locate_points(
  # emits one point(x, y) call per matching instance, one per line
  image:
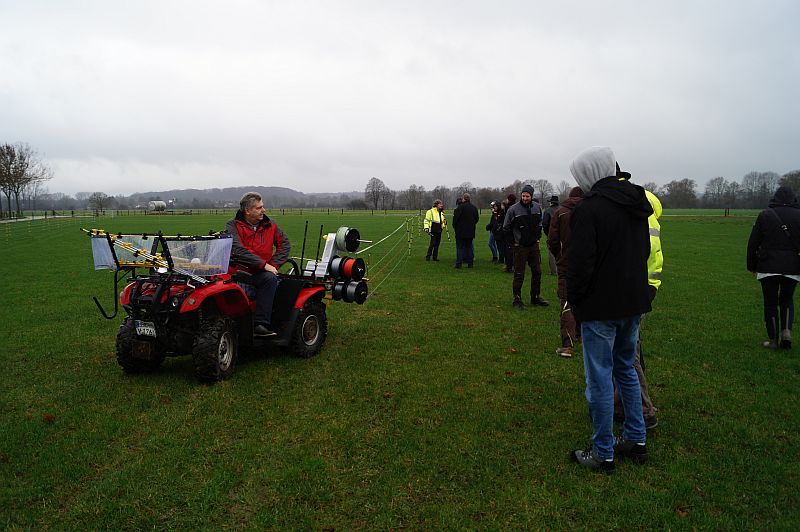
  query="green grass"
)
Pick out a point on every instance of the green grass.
point(433, 405)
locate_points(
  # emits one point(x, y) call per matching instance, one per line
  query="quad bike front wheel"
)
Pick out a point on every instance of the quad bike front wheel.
point(215, 349)
point(135, 355)
point(310, 329)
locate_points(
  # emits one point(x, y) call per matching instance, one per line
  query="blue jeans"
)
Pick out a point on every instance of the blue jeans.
point(465, 251)
point(262, 286)
point(492, 245)
point(609, 349)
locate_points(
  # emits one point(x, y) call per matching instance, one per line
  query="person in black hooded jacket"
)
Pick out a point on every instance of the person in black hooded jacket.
point(607, 290)
point(772, 256)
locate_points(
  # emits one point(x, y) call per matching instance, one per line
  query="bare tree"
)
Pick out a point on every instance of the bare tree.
point(387, 198)
point(99, 201)
point(563, 189)
point(414, 197)
point(652, 187)
point(791, 180)
point(20, 168)
point(374, 191)
point(544, 188)
point(680, 194)
point(714, 195)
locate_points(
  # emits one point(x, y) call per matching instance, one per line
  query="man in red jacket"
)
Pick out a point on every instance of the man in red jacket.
point(259, 248)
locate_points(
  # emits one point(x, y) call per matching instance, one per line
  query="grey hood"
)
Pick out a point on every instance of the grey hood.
point(592, 165)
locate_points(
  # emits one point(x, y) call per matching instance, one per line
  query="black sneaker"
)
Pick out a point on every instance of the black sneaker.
point(629, 449)
point(263, 330)
point(587, 458)
point(517, 304)
point(539, 302)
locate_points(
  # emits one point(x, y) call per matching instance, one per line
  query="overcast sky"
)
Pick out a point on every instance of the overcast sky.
point(124, 97)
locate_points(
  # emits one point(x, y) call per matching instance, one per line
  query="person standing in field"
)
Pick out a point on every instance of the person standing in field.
point(558, 245)
point(547, 216)
point(523, 227)
point(433, 224)
point(493, 247)
point(608, 291)
point(655, 263)
point(508, 247)
point(773, 258)
point(465, 218)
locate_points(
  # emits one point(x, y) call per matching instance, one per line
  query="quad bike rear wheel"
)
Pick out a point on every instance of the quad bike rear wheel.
point(310, 329)
point(215, 349)
point(135, 355)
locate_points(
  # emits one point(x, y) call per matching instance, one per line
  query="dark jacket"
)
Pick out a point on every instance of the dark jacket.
point(465, 218)
point(547, 217)
point(769, 249)
point(608, 249)
point(523, 224)
point(252, 248)
point(558, 234)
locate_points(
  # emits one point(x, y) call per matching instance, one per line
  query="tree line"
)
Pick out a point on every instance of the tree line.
point(22, 174)
point(753, 192)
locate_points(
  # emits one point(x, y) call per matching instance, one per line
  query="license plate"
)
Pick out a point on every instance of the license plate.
point(145, 328)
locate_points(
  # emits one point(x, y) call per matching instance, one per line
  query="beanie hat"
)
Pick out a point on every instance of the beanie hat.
point(528, 189)
point(554, 199)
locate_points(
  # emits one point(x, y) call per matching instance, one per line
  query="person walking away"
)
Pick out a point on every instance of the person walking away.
point(547, 216)
point(772, 257)
point(492, 240)
point(259, 247)
point(608, 291)
point(558, 245)
point(465, 218)
point(433, 224)
point(523, 227)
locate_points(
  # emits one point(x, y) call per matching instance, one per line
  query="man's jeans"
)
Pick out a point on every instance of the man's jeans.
point(609, 348)
point(464, 251)
point(262, 286)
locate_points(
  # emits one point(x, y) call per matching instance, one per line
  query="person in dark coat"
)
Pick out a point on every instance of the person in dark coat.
point(772, 256)
point(465, 218)
point(557, 244)
point(547, 216)
point(608, 291)
point(523, 227)
point(508, 243)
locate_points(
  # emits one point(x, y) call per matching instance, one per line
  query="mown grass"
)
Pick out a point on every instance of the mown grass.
point(434, 405)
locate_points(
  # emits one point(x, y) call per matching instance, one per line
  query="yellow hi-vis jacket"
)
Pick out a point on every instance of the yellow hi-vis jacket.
point(433, 216)
point(656, 259)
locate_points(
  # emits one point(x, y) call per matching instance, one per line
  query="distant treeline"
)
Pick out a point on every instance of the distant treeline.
point(752, 191)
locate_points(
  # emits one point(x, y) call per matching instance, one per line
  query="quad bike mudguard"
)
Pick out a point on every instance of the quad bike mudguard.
point(229, 298)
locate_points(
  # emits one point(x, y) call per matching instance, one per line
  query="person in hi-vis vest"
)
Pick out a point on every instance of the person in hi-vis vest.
point(434, 224)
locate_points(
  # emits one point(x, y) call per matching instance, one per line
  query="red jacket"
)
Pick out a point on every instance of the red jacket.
point(253, 246)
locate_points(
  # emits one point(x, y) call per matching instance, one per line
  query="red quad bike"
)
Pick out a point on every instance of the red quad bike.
point(187, 303)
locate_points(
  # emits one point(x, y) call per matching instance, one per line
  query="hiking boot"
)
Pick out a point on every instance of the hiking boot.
point(587, 458)
point(650, 422)
point(786, 339)
point(517, 304)
point(539, 302)
point(263, 330)
point(770, 344)
point(435, 259)
point(565, 352)
point(637, 452)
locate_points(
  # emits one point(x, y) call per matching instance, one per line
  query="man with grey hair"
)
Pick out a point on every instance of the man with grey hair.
point(259, 248)
point(608, 291)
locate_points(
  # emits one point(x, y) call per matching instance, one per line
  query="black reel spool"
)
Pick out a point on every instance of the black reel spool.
point(350, 291)
point(348, 268)
point(348, 238)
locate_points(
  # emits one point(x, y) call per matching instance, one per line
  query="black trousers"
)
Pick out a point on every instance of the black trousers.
point(778, 304)
point(433, 247)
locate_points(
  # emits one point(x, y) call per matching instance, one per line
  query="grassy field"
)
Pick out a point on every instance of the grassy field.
point(434, 405)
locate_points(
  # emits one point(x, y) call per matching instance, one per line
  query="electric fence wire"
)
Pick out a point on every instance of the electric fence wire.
point(397, 264)
point(376, 273)
point(382, 239)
